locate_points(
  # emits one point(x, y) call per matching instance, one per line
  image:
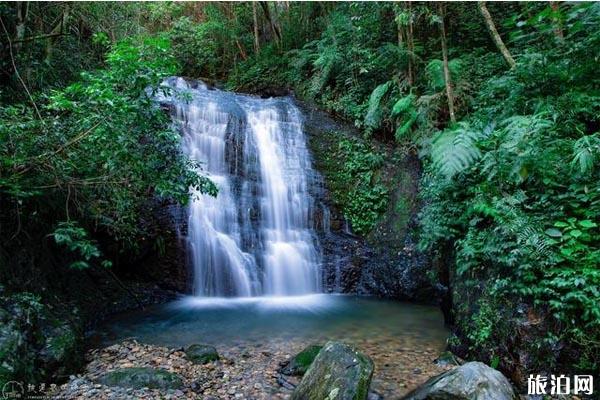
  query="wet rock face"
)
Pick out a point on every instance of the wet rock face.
point(400, 274)
point(162, 256)
point(201, 353)
point(393, 268)
point(471, 381)
point(138, 378)
point(339, 372)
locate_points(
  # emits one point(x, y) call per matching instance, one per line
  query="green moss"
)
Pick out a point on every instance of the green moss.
point(302, 361)
point(338, 372)
point(35, 345)
point(201, 353)
point(353, 174)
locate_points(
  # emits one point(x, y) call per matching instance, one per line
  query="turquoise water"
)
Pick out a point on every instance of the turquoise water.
point(232, 321)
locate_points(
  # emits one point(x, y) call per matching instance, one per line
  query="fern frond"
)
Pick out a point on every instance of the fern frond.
point(403, 105)
point(374, 113)
point(434, 71)
point(403, 129)
point(585, 153)
point(454, 151)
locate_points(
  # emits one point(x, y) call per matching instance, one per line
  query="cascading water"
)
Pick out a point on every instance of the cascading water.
point(255, 237)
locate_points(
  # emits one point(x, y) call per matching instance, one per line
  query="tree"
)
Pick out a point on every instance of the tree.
point(275, 29)
point(558, 31)
point(495, 35)
point(255, 26)
point(404, 21)
point(447, 78)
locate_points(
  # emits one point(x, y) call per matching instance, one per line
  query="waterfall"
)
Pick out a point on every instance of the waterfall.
point(255, 237)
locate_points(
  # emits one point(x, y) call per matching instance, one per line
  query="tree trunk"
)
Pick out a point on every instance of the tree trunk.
point(495, 35)
point(241, 49)
point(272, 24)
point(255, 20)
point(411, 47)
point(405, 40)
point(558, 32)
point(58, 30)
point(400, 35)
point(447, 78)
point(22, 13)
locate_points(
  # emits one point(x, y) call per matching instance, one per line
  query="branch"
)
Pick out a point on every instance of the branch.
point(61, 148)
point(12, 59)
point(44, 36)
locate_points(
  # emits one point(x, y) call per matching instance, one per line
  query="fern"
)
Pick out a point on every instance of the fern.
point(404, 111)
point(434, 71)
point(585, 152)
point(403, 105)
point(374, 113)
point(454, 151)
point(329, 57)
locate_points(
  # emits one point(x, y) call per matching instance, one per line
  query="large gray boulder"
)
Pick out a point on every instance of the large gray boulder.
point(138, 378)
point(471, 381)
point(339, 372)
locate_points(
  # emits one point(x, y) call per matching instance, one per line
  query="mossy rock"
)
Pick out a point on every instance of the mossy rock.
point(201, 353)
point(471, 381)
point(300, 363)
point(138, 378)
point(36, 345)
point(339, 372)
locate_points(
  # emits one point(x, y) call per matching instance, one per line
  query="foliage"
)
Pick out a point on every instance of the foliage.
point(374, 110)
point(363, 196)
point(96, 152)
point(515, 187)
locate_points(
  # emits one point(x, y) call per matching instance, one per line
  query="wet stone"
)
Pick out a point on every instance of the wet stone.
point(201, 353)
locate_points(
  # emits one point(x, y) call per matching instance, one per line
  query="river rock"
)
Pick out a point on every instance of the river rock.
point(339, 372)
point(471, 381)
point(447, 358)
point(138, 378)
point(201, 353)
point(299, 364)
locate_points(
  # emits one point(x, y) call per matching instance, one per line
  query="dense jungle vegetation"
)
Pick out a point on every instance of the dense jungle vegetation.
point(501, 101)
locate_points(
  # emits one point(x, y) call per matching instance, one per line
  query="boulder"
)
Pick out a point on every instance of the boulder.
point(339, 372)
point(471, 381)
point(138, 378)
point(201, 353)
point(447, 358)
point(299, 364)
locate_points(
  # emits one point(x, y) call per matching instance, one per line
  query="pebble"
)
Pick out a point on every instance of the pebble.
point(249, 370)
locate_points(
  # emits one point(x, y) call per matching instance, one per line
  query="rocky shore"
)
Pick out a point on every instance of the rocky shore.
point(246, 371)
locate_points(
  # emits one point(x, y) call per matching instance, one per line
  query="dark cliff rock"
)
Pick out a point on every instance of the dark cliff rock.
point(386, 263)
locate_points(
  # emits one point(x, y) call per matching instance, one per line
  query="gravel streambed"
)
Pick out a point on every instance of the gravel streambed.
point(244, 370)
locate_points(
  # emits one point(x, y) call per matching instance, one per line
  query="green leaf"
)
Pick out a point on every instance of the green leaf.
point(553, 232)
point(586, 223)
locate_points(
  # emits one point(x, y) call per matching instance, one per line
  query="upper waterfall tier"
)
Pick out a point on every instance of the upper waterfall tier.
point(255, 237)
